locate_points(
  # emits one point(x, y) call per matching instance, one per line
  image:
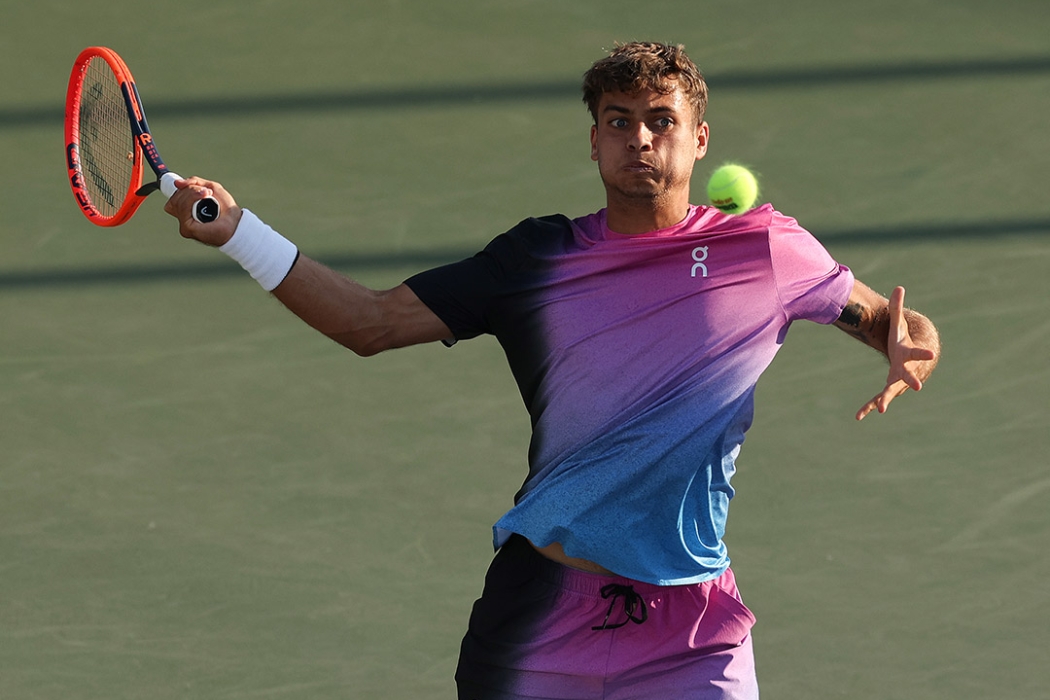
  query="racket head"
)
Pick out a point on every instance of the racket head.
point(104, 159)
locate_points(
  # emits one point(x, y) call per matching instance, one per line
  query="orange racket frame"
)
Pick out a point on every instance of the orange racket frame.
point(74, 94)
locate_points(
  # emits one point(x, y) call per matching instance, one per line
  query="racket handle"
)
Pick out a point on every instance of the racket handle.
point(205, 210)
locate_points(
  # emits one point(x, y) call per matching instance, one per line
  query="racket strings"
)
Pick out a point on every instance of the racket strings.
point(107, 146)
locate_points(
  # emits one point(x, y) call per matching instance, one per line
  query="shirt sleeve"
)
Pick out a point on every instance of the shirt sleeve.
point(467, 294)
point(811, 284)
point(457, 293)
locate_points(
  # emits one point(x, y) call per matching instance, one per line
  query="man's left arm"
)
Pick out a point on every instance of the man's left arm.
point(907, 338)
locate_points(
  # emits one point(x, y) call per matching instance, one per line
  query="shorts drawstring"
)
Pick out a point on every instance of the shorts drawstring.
point(631, 602)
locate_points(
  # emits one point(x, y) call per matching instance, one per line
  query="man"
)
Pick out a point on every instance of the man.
point(636, 336)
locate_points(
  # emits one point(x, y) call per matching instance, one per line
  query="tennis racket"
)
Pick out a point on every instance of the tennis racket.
point(107, 140)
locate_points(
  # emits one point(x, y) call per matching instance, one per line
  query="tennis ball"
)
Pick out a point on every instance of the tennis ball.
point(732, 188)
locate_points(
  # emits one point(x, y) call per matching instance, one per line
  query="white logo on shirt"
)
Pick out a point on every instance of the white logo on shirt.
point(699, 255)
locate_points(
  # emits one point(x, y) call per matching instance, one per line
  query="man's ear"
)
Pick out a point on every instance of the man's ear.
point(703, 133)
point(594, 142)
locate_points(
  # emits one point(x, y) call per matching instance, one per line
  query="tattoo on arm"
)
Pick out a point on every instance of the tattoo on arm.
point(851, 315)
point(869, 326)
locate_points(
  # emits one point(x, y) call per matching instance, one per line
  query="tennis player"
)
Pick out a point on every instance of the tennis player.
point(636, 335)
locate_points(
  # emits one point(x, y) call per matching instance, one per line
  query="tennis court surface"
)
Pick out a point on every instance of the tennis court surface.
point(201, 498)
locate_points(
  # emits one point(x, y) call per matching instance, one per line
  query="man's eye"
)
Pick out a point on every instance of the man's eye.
point(619, 123)
point(664, 123)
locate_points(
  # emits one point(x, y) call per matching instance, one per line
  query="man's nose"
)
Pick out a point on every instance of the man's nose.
point(641, 139)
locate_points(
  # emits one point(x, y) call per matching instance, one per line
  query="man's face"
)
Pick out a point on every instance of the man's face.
point(646, 144)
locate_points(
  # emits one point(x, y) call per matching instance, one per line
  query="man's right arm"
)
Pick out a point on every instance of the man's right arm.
point(364, 320)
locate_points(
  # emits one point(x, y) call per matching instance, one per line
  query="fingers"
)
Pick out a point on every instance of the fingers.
point(180, 205)
point(881, 402)
point(908, 376)
point(186, 193)
point(866, 409)
point(900, 351)
point(898, 327)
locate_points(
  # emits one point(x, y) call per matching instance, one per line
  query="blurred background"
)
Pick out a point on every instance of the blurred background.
point(202, 498)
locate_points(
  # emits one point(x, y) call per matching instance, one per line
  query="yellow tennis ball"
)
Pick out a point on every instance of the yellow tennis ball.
point(732, 188)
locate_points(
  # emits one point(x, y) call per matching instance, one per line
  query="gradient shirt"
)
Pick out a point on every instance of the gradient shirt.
point(637, 358)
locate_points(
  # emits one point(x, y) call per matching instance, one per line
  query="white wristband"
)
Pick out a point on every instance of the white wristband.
point(265, 254)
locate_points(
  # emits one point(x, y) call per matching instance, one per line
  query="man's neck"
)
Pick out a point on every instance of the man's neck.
point(633, 218)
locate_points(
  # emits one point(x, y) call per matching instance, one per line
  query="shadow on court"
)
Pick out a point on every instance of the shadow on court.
point(432, 96)
point(146, 274)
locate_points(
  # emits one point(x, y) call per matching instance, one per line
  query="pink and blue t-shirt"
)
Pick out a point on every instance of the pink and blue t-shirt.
point(637, 358)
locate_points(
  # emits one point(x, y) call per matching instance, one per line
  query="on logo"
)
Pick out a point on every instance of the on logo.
point(699, 255)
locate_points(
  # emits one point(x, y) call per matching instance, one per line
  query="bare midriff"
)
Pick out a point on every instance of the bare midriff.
point(554, 552)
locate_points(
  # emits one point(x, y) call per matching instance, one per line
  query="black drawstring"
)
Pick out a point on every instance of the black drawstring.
point(631, 602)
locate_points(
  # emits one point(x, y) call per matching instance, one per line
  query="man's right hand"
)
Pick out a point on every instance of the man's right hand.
point(180, 205)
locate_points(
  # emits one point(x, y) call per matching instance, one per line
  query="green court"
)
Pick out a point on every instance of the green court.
point(202, 498)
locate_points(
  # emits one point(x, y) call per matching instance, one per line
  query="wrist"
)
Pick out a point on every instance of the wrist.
point(265, 254)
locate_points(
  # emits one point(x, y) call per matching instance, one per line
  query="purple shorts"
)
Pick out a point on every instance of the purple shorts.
point(543, 630)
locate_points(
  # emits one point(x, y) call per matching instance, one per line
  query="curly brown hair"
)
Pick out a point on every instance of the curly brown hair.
point(639, 65)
